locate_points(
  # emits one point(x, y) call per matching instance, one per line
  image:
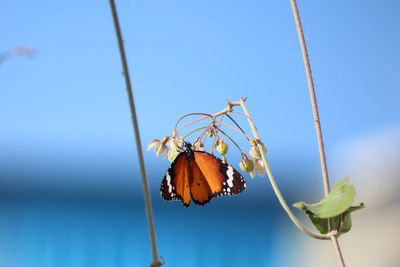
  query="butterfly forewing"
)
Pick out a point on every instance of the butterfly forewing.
point(234, 182)
point(222, 178)
point(175, 185)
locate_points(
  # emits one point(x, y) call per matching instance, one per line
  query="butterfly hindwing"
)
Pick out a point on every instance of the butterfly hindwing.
point(210, 168)
point(175, 184)
point(199, 188)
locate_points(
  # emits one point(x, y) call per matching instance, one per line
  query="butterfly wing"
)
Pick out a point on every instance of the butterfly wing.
point(175, 184)
point(222, 178)
point(199, 188)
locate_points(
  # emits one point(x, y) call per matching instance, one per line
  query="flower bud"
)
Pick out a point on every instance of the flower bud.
point(221, 146)
point(255, 150)
point(258, 168)
point(172, 154)
point(247, 165)
point(198, 145)
point(176, 143)
point(159, 146)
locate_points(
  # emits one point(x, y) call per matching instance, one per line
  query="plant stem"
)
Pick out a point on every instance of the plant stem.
point(339, 254)
point(187, 115)
point(317, 123)
point(274, 184)
point(312, 96)
point(192, 122)
point(146, 192)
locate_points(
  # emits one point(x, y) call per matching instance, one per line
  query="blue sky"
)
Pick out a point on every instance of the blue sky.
point(66, 133)
point(67, 107)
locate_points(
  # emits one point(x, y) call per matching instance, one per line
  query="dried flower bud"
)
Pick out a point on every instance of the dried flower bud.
point(221, 146)
point(255, 150)
point(176, 143)
point(198, 145)
point(159, 146)
point(247, 165)
point(258, 168)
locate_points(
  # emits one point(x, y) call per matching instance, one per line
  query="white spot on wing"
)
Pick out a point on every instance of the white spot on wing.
point(229, 173)
point(169, 183)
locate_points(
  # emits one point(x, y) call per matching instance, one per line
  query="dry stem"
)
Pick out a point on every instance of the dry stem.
point(317, 123)
point(149, 212)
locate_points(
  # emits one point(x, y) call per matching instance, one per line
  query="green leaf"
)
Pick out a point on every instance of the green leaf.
point(346, 226)
point(322, 223)
point(336, 202)
point(319, 223)
point(352, 208)
point(334, 209)
point(340, 184)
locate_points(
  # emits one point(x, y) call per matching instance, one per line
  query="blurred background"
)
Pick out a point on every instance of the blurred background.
point(70, 191)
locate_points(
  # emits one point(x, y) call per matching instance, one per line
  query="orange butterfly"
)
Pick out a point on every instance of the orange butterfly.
point(200, 176)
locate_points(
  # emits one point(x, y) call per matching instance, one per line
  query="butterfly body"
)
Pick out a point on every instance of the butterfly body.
point(199, 176)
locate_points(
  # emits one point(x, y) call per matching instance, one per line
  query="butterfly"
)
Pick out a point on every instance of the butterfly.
point(199, 176)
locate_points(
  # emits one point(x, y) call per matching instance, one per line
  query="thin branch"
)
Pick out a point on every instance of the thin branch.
point(146, 192)
point(232, 128)
point(195, 130)
point(187, 115)
point(312, 96)
point(338, 251)
point(227, 109)
point(317, 123)
point(237, 125)
point(17, 51)
point(241, 151)
point(192, 122)
point(275, 185)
